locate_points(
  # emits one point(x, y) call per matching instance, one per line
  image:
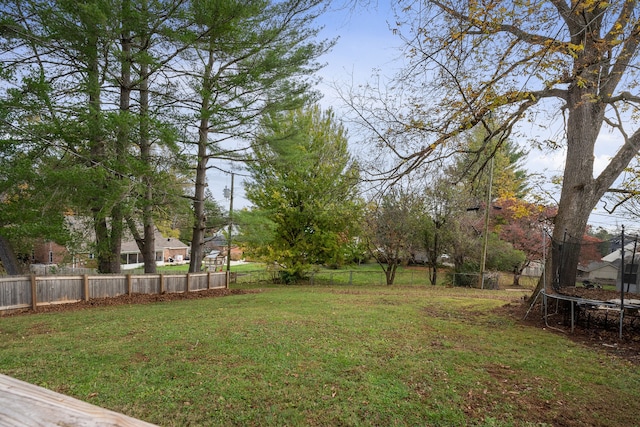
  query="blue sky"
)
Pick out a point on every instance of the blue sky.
point(365, 43)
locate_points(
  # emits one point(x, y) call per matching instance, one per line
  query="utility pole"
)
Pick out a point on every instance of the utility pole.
point(229, 194)
point(486, 226)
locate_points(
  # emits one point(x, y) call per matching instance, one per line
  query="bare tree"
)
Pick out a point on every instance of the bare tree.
point(468, 61)
point(392, 229)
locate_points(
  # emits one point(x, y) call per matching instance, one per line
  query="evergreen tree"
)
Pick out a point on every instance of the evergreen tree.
point(245, 59)
point(485, 154)
point(57, 51)
point(303, 188)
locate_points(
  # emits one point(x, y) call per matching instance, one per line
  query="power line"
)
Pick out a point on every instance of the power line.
point(230, 172)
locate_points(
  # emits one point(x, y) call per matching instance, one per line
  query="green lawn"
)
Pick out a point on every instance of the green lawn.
point(320, 355)
point(364, 274)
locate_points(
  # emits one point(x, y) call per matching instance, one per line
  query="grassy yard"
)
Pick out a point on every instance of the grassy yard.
point(321, 355)
point(364, 274)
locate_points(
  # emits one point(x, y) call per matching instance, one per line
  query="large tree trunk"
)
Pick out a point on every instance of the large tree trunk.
point(108, 242)
point(197, 240)
point(108, 232)
point(148, 223)
point(8, 258)
point(149, 240)
point(580, 191)
point(595, 80)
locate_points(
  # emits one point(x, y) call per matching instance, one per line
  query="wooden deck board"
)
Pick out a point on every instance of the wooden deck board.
point(24, 404)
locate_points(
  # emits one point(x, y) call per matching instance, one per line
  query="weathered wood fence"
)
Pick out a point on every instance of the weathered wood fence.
point(33, 291)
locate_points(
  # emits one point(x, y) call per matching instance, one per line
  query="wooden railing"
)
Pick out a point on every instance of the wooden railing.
point(27, 405)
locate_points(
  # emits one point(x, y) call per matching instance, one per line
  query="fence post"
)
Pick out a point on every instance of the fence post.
point(208, 280)
point(129, 284)
point(34, 292)
point(186, 285)
point(85, 286)
point(227, 277)
point(161, 287)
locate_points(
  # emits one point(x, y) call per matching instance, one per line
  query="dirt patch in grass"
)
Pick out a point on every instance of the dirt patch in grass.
point(596, 294)
point(598, 329)
point(130, 299)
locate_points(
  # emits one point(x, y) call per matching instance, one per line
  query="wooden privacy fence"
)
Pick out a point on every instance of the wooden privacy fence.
point(33, 291)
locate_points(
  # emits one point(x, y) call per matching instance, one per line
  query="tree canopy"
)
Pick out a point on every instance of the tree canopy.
point(247, 59)
point(394, 225)
point(120, 102)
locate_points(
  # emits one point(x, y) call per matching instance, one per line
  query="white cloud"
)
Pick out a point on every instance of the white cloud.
point(549, 163)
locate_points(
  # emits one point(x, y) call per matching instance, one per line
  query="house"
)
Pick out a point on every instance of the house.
point(218, 242)
point(168, 250)
point(48, 252)
point(617, 254)
point(630, 277)
point(79, 252)
point(600, 272)
point(534, 269)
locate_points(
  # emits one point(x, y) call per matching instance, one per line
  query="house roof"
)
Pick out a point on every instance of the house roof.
point(597, 265)
point(615, 255)
point(130, 246)
point(219, 238)
point(82, 229)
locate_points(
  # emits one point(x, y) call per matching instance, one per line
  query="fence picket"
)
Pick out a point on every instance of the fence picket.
point(33, 291)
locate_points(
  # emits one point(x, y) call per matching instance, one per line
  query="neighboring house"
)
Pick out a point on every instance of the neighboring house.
point(79, 253)
point(168, 250)
point(615, 255)
point(600, 272)
point(630, 280)
point(631, 277)
point(218, 242)
point(534, 269)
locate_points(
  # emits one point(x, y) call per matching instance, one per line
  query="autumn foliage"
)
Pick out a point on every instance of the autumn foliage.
point(522, 224)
